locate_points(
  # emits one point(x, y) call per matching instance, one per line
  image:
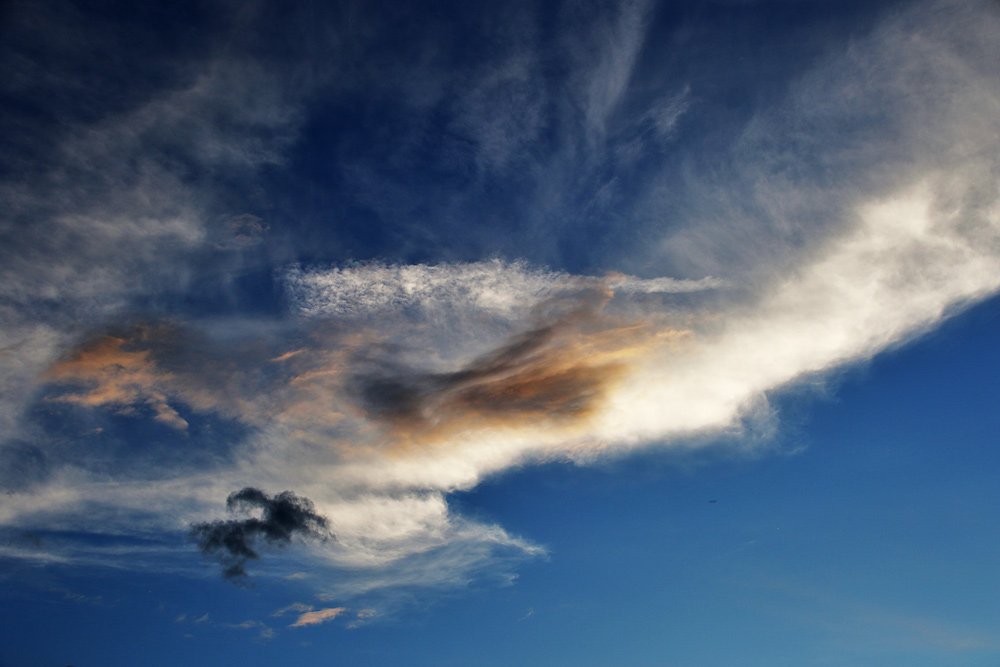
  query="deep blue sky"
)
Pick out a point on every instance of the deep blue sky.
point(530, 333)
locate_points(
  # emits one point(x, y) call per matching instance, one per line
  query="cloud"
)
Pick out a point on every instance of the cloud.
point(266, 632)
point(871, 629)
point(104, 170)
point(362, 617)
point(318, 616)
point(547, 131)
point(377, 430)
point(853, 216)
point(297, 607)
point(78, 597)
point(496, 288)
point(908, 101)
point(309, 615)
point(606, 53)
point(283, 517)
point(552, 372)
point(115, 376)
point(492, 287)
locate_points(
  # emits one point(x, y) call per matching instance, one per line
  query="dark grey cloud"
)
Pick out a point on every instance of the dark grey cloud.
point(233, 542)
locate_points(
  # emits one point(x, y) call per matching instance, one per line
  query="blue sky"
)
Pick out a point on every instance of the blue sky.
point(598, 333)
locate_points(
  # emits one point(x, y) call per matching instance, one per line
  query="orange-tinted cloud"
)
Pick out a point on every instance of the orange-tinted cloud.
point(553, 376)
point(350, 391)
point(165, 365)
point(107, 372)
point(318, 616)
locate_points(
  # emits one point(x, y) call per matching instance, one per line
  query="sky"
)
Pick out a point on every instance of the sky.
point(514, 333)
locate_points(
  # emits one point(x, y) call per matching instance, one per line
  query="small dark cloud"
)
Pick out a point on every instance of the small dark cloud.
point(233, 542)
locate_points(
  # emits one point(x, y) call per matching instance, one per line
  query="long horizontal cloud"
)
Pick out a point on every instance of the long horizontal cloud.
point(494, 287)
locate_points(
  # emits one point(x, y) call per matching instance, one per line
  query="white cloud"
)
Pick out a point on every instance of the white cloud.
point(494, 288)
